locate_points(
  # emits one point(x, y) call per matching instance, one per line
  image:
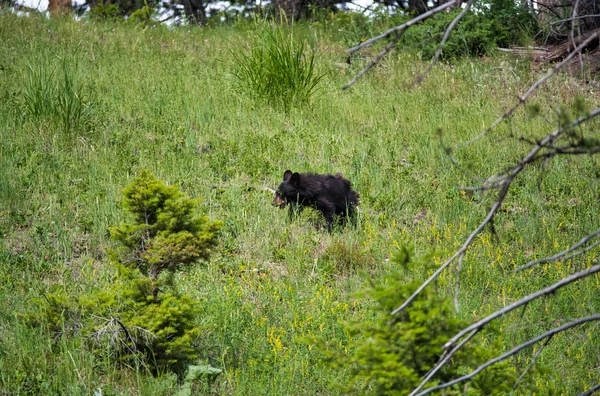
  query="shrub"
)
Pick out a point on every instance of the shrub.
point(390, 354)
point(491, 24)
point(139, 319)
point(163, 235)
point(279, 69)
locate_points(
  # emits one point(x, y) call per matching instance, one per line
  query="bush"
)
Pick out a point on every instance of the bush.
point(391, 354)
point(139, 319)
point(492, 24)
point(279, 69)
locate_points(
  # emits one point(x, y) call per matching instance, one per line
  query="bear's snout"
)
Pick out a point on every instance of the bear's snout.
point(277, 201)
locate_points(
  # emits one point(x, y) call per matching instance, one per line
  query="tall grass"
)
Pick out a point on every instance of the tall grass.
point(279, 68)
point(55, 94)
point(166, 105)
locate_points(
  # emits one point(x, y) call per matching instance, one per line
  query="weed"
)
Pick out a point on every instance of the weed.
point(279, 69)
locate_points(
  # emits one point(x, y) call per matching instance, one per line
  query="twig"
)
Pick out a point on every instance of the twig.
point(575, 18)
point(445, 357)
point(531, 90)
point(462, 251)
point(530, 365)
point(438, 51)
point(563, 254)
point(590, 391)
point(525, 300)
point(402, 27)
point(504, 182)
point(451, 347)
point(375, 61)
point(513, 352)
point(575, 7)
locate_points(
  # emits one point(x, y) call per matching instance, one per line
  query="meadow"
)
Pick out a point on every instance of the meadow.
point(165, 100)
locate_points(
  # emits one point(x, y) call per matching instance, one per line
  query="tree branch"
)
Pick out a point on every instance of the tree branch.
point(532, 89)
point(400, 29)
point(513, 352)
point(438, 51)
point(564, 253)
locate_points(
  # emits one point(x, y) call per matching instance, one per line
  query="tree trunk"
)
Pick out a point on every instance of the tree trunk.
point(59, 6)
point(195, 11)
point(288, 10)
point(418, 6)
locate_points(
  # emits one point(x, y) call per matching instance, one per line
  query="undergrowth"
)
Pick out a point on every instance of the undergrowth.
point(167, 100)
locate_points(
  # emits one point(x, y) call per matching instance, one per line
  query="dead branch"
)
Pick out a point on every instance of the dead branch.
point(503, 181)
point(440, 47)
point(397, 31)
point(575, 18)
point(400, 29)
point(590, 391)
point(445, 357)
point(532, 89)
point(513, 352)
point(451, 347)
point(524, 301)
point(564, 255)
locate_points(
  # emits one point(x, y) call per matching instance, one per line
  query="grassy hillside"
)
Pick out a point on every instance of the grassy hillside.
point(164, 100)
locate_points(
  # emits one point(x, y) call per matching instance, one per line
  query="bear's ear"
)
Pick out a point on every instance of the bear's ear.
point(287, 174)
point(295, 179)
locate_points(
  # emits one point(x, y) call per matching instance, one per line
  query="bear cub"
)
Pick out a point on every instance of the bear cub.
point(330, 194)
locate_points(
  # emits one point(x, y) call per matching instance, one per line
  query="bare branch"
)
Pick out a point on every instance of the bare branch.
point(445, 357)
point(530, 365)
point(526, 300)
point(590, 391)
point(375, 61)
point(575, 18)
point(532, 89)
point(450, 346)
point(400, 29)
point(440, 47)
point(462, 251)
point(513, 352)
point(564, 253)
point(504, 182)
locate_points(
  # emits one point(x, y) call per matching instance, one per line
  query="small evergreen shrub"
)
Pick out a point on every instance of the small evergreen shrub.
point(139, 318)
point(389, 355)
point(163, 234)
point(279, 69)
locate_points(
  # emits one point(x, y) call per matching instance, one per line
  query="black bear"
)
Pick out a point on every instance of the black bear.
point(332, 195)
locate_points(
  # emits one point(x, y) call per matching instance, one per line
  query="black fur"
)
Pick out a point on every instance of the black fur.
point(332, 195)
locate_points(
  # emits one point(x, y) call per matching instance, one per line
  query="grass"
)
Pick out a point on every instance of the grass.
point(165, 100)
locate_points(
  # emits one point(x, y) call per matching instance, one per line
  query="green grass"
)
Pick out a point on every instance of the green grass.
point(165, 100)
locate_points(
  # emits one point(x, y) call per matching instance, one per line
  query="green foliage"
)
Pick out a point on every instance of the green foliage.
point(57, 96)
point(164, 234)
point(143, 16)
point(391, 354)
point(124, 322)
point(166, 105)
point(279, 69)
point(128, 319)
point(103, 11)
point(491, 24)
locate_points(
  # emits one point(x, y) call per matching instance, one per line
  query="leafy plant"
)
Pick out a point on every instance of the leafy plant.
point(391, 354)
point(495, 23)
point(279, 69)
point(164, 234)
point(128, 319)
